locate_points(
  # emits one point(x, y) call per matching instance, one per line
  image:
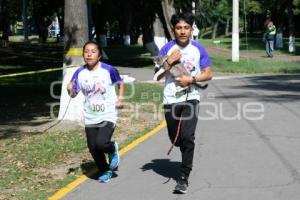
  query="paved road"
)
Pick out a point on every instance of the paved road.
point(247, 147)
point(140, 74)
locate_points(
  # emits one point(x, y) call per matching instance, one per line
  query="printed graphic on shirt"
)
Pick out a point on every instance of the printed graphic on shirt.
point(99, 89)
point(187, 63)
point(96, 96)
point(194, 59)
point(100, 96)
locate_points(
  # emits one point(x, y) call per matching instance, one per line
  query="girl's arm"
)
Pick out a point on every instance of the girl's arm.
point(121, 87)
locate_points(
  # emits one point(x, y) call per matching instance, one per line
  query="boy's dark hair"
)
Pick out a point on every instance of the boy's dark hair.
point(92, 42)
point(187, 17)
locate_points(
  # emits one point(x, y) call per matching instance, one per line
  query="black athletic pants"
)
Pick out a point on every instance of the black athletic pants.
point(99, 142)
point(188, 112)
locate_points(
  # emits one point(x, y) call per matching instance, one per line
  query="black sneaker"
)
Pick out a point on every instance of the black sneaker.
point(181, 186)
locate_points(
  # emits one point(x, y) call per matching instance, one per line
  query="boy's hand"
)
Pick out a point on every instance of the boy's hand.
point(184, 80)
point(174, 57)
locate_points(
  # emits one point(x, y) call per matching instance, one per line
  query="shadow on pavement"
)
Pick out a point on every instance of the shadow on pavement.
point(163, 167)
point(286, 88)
point(90, 170)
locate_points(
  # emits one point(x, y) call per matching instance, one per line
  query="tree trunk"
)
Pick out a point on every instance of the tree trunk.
point(215, 30)
point(168, 10)
point(90, 18)
point(41, 20)
point(4, 25)
point(61, 21)
point(76, 34)
point(75, 30)
point(25, 24)
point(100, 13)
point(227, 26)
point(148, 37)
point(245, 25)
point(291, 27)
point(251, 24)
point(159, 33)
point(126, 21)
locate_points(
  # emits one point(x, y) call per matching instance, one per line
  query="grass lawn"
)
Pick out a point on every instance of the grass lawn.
point(253, 65)
point(252, 57)
point(249, 44)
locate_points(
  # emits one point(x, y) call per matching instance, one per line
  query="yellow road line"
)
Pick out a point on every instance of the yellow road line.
point(31, 72)
point(65, 190)
point(36, 72)
point(74, 52)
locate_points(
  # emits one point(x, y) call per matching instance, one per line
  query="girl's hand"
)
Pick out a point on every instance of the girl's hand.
point(119, 104)
point(70, 85)
point(70, 89)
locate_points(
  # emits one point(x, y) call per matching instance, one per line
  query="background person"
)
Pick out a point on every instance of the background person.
point(270, 38)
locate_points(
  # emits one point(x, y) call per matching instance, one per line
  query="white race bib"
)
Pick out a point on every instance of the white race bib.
point(96, 107)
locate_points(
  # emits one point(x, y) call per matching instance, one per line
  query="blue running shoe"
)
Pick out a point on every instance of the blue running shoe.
point(105, 177)
point(114, 158)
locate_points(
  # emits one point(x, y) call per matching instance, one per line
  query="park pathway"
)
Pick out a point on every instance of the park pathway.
point(247, 147)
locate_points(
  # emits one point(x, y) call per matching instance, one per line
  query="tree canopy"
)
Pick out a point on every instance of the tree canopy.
point(130, 17)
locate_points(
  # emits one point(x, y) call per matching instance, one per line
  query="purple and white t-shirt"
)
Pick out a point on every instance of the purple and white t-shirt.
point(194, 58)
point(98, 88)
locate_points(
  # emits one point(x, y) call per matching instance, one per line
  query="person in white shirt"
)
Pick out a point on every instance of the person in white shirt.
point(97, 80)
point(181, 108)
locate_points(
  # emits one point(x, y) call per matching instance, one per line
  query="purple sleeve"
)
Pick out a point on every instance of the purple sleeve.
point(115, 76)
point(114, 73)
point(204, 57)
point(164, 50)
point(75, 78)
